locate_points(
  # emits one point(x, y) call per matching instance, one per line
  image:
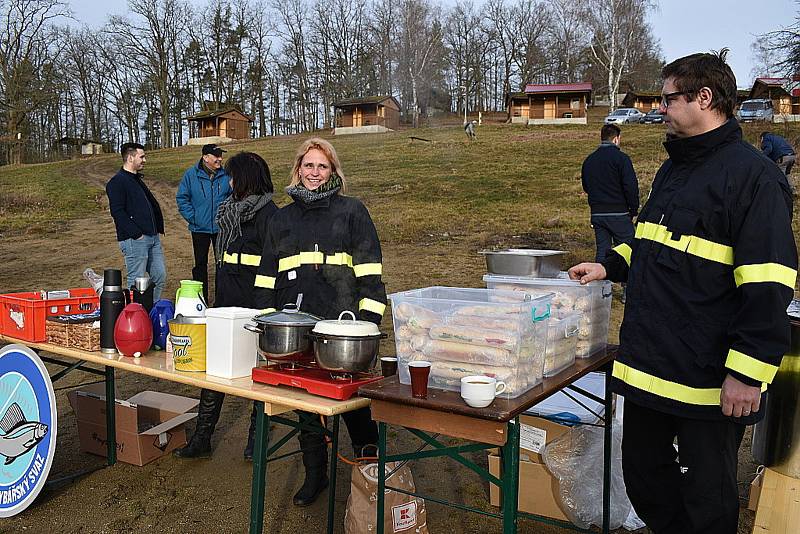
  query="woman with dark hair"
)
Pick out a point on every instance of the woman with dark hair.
point(243, 221)
point(325, 246)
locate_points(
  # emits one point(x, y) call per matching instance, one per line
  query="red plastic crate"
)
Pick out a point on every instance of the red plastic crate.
point(22, 315)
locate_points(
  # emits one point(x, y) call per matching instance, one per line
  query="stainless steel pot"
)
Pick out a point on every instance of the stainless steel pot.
point(524, 262)
point(282, 335)
point(353, 354)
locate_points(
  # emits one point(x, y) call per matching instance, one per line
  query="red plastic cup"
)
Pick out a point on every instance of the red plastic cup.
point(419, 378)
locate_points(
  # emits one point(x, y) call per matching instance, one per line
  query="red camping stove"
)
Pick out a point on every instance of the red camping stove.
point(332, 384)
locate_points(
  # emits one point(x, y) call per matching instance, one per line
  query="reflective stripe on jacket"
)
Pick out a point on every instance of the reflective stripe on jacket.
point(328, 251)
point(236, 272)
point(710, 274)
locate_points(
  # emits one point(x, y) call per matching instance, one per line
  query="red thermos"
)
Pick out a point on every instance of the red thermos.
point(133, 332)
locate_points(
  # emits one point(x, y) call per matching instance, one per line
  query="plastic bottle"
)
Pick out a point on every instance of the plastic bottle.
point(94, 279)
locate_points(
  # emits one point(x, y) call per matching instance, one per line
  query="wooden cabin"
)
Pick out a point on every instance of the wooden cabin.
point(372, 114)
point(225, 122)
point(563, 103)
point(78, 147)
point(785, 96)
point(644, 101)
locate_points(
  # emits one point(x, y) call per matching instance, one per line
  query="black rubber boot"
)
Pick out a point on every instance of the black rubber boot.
point(207, 416)
point(251, 435)
point(315, 460)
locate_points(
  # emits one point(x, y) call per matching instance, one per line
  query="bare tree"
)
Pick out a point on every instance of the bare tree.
point(616, 25)
point(778, 51)
point(24, 51)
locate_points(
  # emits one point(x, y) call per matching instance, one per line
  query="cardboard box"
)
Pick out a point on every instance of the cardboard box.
point(778, 506)
point(538, 489)
point(149, 424)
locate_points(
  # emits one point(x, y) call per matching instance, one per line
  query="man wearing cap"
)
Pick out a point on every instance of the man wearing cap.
point(203, 188)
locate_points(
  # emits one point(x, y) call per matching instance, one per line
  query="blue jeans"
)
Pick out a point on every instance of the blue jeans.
point(145, 255)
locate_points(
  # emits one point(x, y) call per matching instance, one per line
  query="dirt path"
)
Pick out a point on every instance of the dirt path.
point(174, 496)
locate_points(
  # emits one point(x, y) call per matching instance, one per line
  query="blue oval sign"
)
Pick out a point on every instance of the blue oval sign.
point(28, 424)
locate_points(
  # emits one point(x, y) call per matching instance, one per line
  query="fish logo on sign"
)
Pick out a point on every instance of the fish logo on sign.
point(28, 423)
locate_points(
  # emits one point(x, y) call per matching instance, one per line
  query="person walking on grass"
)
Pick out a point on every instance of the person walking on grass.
point(138, 220)
point(203, 188)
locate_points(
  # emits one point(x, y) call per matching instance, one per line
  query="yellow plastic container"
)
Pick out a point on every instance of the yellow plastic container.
point(188, 338)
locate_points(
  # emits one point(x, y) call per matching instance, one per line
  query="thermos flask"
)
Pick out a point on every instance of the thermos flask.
point(112, 301)
point(142, 292)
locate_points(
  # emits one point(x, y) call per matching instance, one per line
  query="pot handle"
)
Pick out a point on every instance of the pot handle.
point(253, 328)
point(353, 315)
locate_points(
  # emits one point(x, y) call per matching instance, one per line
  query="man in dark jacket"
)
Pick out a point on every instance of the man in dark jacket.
point(138, 220)
point(610, 182)
point(778, 150)
point(710, 273)
point(203, 188)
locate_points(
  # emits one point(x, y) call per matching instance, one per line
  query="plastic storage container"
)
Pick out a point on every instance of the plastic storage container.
point(23, 315)
point(231, 351)
point(465, 332)
point(562, 342)
point(592, 301)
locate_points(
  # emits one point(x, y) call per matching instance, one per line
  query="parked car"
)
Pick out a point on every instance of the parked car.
point(624, 115)
point(758, 109)
point(652, 117)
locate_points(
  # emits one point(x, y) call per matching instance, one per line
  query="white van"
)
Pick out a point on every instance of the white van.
point(758, 109)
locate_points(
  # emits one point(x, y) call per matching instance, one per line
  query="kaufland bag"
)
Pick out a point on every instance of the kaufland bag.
point(402, 513)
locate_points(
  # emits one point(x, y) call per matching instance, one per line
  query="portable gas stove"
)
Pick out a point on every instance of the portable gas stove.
point(338, 385)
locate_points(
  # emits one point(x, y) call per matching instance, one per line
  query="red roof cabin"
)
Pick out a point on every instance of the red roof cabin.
point(785, 96)
point(560, 103)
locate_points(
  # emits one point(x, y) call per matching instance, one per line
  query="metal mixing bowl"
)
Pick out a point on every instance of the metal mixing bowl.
point(353, 354)
point(524, 262)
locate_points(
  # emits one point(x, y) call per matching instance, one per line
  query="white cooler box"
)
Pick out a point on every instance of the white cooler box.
point(231, 351)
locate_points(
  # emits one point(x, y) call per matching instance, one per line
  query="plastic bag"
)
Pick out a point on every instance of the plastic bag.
point(576, 460)
point(94, 279)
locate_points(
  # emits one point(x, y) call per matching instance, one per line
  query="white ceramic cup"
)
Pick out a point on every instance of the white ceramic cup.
point(479, 391)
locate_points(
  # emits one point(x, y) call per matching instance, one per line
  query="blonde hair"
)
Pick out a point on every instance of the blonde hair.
point(326, 148)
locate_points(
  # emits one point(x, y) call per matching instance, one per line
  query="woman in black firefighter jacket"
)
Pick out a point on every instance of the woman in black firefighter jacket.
point(243, 221)
point(323, 245)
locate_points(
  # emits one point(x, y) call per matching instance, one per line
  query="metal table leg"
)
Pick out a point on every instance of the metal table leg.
point(609, 423)
point(332, 474)
point(111, 425)
point(381, 476)
point(510, 477)
point(259, 483)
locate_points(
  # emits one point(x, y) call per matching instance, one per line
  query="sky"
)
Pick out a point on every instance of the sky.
point(682, 26)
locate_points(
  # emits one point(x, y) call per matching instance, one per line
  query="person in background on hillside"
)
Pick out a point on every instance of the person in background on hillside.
point(203, 188)
point(469, 129)
point(778, 150)
point(243, 220)
point(138, 220)
point(325, 246)
point(610, 183)
point(710, 273)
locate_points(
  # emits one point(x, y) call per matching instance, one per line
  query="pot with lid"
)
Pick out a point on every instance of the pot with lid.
point(282, 334)
point(346, 345)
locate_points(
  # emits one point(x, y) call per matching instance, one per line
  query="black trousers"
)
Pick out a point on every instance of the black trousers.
point(610, 231)
point(201, 242)
point(691, 490)
point(362, 429)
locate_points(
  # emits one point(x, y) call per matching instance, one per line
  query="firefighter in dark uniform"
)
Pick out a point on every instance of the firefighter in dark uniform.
point(243, 220)
point(710, 273)
point(325, 246)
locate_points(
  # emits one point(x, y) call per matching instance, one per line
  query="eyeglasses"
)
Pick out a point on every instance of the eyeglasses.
point(669, 97)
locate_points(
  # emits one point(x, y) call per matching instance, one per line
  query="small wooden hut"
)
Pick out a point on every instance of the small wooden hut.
point(562, 103)
point(372, 114)
point(218, 121)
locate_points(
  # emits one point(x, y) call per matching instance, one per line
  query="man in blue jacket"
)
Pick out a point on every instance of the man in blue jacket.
point(610, 182)
point(778, 150)
point(203, 188)
point(138, 220)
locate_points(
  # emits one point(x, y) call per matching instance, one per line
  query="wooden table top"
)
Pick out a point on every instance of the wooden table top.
point(157, 364)
point(503, 410)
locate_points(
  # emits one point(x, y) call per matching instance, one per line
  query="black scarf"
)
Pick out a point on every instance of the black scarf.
point(230, 216)
point(329, 188)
